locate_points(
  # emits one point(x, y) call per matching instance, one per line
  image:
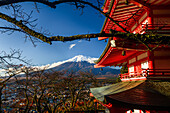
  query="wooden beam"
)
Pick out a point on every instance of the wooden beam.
point(140, 3)
point(157, 2)
point(126, 10)
point(127, 7)
point(121, 18)
point(106, 6)
point(121, 61)
point(160, 7)
point(137, 22)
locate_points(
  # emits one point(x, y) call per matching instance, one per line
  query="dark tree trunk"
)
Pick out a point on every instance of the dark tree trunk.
point(1, 100)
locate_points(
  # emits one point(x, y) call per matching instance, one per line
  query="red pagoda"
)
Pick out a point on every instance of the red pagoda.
point(136, 93)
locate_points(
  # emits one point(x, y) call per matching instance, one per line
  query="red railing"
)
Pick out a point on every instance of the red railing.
point(156, 28)
point(158, 73)
point(149, 73)
point(132, 75)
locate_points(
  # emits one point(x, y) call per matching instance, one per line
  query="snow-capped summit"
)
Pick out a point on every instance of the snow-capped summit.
point(78, 64)
point(78, 58)
point(82, 63)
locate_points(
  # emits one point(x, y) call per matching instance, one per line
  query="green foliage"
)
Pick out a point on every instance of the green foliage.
point(124, 69)
point(117, 80)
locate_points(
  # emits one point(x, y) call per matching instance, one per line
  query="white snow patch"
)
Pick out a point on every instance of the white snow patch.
point(78, 58)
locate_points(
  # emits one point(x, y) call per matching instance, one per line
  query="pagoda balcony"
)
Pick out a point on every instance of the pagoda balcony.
point(133, 76)
point(153, 74)
point(158, 74)
point(163, 29)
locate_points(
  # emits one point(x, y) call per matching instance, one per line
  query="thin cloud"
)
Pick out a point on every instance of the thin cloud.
point(72, 45)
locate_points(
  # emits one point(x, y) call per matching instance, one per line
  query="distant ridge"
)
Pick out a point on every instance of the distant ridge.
point(78, 58)
point(78, 64)
point(85, 64)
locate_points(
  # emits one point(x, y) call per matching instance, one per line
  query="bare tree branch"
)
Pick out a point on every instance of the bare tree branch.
point(46, 2)
point(22, 24)
point(12, 60)
point(25, 28)
point(14, 29)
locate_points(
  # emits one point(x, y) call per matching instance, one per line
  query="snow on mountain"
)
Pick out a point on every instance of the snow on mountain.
point(81, 58)
point(78, 58)
point(78, 63)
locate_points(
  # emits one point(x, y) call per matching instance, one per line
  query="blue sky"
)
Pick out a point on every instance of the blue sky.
point(65, 20)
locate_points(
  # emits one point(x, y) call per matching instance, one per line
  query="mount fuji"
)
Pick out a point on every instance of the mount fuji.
point(82, 63)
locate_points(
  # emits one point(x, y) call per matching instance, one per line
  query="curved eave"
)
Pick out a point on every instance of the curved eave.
point(104, 3)
point(111, 5)
point(140, 97)
point(144, 95)
point(112, 56)
point(105, 51)
point(116, 9)
point(100, 92)
point(106, 19)
point(127, 15)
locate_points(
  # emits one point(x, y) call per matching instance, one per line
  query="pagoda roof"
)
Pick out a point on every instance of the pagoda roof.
point(100, 92)
point(126, 14)
point(139, 96)
point(112, 56)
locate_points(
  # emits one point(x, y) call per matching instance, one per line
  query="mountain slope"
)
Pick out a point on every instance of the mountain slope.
point(85, 64)
point(78, 64)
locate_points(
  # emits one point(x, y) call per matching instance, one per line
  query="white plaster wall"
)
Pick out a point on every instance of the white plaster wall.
point(144, 65)
point(131, 69)
point(135, 111)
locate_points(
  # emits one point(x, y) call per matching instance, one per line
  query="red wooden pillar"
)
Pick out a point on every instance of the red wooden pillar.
point(151, 61)
point(150, 16)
